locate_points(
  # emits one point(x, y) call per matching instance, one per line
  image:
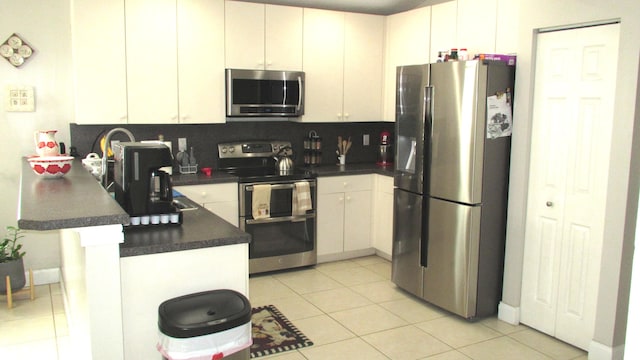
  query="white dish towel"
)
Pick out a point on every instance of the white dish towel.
point(261, 201)
point(301, 199)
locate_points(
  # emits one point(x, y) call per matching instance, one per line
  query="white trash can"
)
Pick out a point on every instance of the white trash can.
point(208, 325)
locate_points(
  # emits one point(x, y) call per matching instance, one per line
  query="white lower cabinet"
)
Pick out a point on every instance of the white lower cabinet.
point(344, 217)
point(148, 280)
point(220, 199)
point(383, 216)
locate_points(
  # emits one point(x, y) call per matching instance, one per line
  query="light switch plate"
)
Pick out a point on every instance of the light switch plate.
point(20, 99)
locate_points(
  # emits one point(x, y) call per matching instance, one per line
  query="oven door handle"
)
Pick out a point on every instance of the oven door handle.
point(277, 186)
point(270, 220)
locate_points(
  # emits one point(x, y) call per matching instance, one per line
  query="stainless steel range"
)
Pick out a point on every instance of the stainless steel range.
point(277, 208)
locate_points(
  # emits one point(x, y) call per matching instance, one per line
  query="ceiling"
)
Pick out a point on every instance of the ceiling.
point(379, 7)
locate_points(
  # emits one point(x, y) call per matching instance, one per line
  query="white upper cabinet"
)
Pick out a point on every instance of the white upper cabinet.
point(201, 90)
point(244, 35)
point(363, 56)
point(477, 26)
point(407, 43)
point(443, 28)
point(323, 55)
point(99, 71)
point(342, 61)
point(283, 37)
point(175, 69)
point(263, 37)
point(152, 68)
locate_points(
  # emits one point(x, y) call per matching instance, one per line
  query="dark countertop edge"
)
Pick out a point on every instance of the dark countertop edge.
point(324, 170)
point(216, 177)
point(53, 204)
point(158, 249)
point(72, 223)
point(200, 229)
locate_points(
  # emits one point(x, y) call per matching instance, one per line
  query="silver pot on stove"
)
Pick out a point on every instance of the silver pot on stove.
point(284, 163)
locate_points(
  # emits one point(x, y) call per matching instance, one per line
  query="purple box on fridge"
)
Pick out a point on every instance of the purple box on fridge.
point(510, 59)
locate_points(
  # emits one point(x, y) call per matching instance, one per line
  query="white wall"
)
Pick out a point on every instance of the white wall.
point(620, 217)
point(46, 26)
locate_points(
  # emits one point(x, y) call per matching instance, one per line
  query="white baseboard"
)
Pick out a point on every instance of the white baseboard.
point(599, 351)
point(44, 276)
point(508, 313)
point(345, 255)
point(383, 255)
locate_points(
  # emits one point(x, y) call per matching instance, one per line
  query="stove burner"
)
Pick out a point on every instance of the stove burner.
point(254, 161)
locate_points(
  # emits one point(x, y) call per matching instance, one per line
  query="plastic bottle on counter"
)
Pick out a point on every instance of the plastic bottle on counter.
point(453, 55)
point(462, 55)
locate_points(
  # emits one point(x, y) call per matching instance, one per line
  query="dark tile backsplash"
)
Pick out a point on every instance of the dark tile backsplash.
point(205, 137)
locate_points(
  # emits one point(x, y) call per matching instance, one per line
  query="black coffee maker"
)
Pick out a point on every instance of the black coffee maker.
point(141, 188)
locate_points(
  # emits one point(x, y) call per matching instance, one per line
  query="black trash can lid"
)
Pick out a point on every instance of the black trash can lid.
point(203, 313)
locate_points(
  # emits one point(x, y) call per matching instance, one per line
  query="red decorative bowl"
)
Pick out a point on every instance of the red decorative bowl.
point(50, 166)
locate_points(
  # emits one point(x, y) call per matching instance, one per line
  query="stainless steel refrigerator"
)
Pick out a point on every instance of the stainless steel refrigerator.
point(453, 136)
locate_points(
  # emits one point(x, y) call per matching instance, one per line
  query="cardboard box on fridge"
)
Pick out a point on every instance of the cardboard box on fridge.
point(510, 59)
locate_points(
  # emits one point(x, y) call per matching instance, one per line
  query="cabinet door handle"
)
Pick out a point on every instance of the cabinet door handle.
point(549, 204)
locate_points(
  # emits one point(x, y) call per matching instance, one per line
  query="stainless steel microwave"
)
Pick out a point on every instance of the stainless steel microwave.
point(264, 93)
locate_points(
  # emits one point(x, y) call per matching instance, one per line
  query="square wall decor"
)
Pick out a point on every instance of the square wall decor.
point(15, 50)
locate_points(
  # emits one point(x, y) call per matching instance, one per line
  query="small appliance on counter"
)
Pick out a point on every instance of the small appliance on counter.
point(385, 151)
point(142, 189)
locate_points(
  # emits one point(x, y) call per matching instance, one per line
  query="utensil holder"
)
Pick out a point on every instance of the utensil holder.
point(188, 169)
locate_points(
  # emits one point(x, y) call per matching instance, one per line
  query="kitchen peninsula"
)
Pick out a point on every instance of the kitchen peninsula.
point(114, 280)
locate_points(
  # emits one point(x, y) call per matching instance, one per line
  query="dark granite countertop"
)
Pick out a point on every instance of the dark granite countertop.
point(75, 200)
point(200, 229)
point(78, 200)
point(219, 177)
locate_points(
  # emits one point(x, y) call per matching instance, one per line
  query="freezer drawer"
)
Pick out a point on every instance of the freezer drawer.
point(451, 272)
point(406, 271)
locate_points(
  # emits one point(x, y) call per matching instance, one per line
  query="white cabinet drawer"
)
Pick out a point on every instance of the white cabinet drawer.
point(208, 193)
point(334, 184)
point(385, 183)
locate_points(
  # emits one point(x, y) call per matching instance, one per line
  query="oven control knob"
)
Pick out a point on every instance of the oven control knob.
point(232, 149)
point(223, 150)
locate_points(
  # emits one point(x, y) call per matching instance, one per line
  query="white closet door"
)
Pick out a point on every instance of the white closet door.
point(570, 147)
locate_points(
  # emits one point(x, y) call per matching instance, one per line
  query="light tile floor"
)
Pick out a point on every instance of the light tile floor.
point(34, 329)
point(349, 309)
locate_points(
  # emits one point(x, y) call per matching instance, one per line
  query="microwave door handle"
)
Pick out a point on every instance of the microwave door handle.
point(300, 93)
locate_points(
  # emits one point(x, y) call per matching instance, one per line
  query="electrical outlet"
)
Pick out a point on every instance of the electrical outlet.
point(365, 140)
point(182, 144)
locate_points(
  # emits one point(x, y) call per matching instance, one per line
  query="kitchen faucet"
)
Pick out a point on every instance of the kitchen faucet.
point(105, 152)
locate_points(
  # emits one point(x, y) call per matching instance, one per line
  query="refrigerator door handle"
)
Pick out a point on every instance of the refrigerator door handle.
point(428, 119)
point(424, 233)
point(428, 109)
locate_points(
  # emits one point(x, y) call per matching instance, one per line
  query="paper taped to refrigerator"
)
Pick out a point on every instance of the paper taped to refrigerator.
point(499, 115)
